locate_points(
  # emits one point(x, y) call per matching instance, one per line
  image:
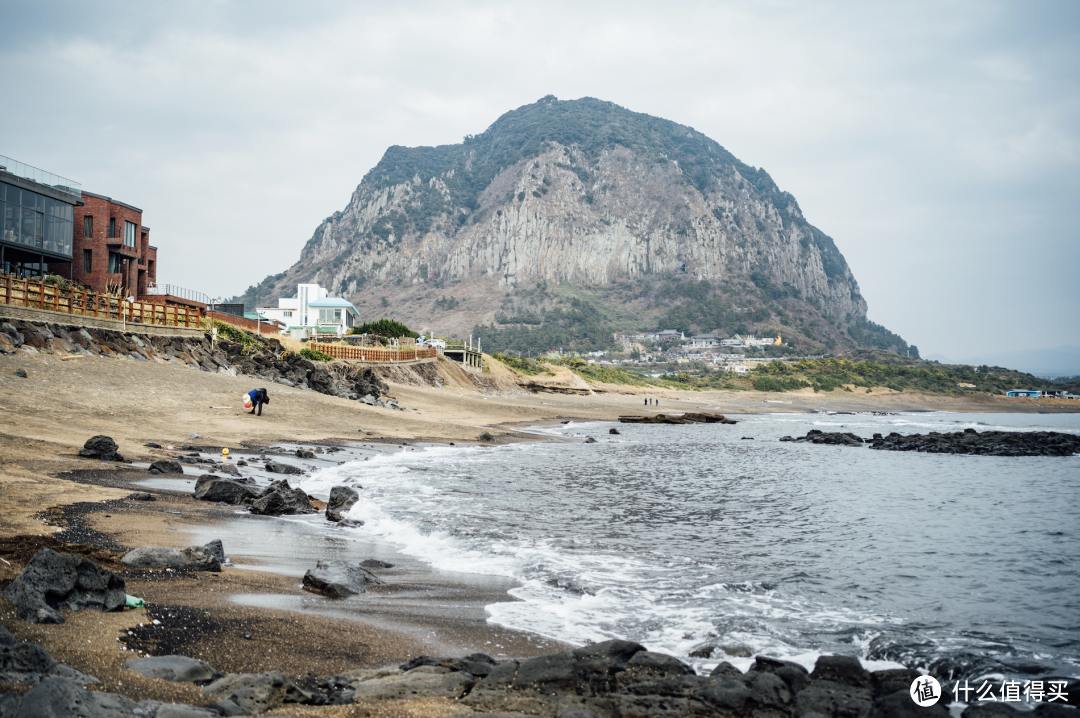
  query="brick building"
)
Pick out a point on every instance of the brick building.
point(112, 247)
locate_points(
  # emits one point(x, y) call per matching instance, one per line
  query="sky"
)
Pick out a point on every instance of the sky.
point(937, 142)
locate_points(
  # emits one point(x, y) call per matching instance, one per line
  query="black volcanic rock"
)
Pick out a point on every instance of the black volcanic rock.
point(55, 581)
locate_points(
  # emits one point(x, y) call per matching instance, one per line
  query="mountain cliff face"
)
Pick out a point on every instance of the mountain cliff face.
point(629, 219)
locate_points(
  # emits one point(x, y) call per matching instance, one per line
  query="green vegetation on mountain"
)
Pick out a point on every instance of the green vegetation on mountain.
point(832, 373)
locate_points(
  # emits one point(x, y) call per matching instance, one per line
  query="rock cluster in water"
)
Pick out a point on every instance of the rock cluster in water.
point(277, 499)
point(968, 441)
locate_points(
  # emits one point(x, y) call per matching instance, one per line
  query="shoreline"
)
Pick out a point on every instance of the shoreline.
point(44, 422)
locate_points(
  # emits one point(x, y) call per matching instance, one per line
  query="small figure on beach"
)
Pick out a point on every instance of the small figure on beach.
point(258, 398)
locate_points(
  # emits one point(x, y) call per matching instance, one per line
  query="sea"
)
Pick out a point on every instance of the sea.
point(715, 542)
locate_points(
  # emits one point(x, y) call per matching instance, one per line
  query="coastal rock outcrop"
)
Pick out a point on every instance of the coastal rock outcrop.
point(173, 668)
point(58, 696)
point(342, 498)
point(209, 487)
point(338, 579)
point(986, 443)
point(100, 447)
point(30, 663)
point(831, 438)
point(53, 581)
point(968, 441)
point(276, 467)
point(279, 499)
point(192, 558)
point(166, 466)
point(259, 692)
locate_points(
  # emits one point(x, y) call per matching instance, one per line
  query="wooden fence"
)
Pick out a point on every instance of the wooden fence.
point(339, 351)
point(35, 294)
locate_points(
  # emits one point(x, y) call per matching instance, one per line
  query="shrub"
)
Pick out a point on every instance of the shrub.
point(315, 355)
point(775, 383)
point(385, 328)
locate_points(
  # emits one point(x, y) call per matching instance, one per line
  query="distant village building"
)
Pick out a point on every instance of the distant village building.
point(314, 311)
point(1033, 393)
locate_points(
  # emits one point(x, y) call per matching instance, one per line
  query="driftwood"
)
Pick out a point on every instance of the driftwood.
point(690, 417)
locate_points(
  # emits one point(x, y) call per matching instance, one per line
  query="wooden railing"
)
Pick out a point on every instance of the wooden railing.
point(340, 351)
point(34, 294)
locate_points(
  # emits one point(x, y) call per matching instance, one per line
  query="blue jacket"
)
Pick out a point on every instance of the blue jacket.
point(259, 395)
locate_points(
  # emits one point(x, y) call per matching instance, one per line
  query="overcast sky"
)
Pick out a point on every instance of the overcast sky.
point(938, 143)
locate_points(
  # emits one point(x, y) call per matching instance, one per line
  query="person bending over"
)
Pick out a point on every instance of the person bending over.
point(258, 398)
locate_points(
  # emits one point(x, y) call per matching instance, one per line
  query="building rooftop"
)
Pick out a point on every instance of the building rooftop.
point(332, 302)
point(40, 176)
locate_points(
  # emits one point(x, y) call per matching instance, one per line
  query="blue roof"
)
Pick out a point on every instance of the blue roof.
point(333, 302)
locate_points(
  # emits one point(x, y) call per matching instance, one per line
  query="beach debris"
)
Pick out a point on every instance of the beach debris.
point(180, 669)
point(303, 453)
point(613, 431)
point(21, 373)
point(192, 558)
point(30, 663)
point(341, 500)
point(134, 602)
point(100, 447)
point(338, 579)
point(210, 487)
point(485, 436)
point(166, 466)
point(193, 435)
point(141, 496)
point(258, 692)
point(276, 467)
point(279, 499)
point(55, 581)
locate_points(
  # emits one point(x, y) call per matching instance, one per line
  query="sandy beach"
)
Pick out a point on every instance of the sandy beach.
point(53, 498)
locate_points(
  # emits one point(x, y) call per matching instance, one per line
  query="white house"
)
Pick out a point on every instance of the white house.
point(313, 310)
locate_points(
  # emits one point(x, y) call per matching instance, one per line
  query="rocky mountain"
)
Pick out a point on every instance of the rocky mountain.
point(566, 221)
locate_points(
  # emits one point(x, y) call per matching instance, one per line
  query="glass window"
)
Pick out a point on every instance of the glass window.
point(9, 225)
point(112, 227)
point(114, 263)
point(129, 234)
point(88, 261)
point(52, 233)
point(66, 234)
point(28, 230)
point(88, 226)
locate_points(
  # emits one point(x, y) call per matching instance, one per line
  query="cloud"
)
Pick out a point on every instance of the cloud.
point(936, 142)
